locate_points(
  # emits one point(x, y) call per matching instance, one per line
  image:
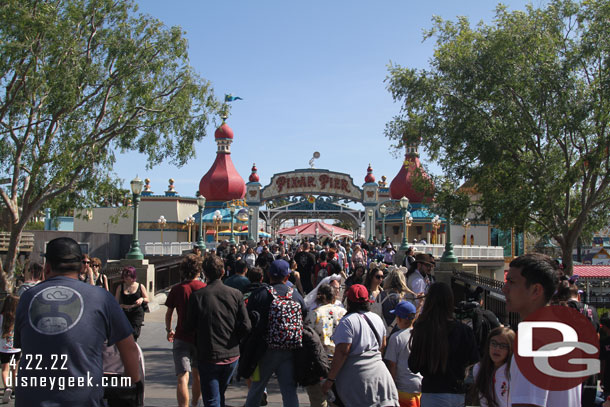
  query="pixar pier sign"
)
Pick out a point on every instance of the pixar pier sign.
point(312, 182)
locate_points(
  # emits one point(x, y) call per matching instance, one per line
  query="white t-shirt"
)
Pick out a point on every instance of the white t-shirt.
point(524, 392)
point(354, 329)
point(398, 352)
point(501, 386)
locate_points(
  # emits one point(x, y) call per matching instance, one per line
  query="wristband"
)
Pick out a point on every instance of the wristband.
point(330, 380)
point(168, 330)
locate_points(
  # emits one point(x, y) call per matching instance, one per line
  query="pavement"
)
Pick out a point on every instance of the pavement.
point(160, 384)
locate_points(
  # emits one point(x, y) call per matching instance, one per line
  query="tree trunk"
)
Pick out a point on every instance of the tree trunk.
point(567, 248)
point(6, 276)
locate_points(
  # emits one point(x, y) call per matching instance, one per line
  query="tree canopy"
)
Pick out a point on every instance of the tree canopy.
point(82, 80)
point(519, 108)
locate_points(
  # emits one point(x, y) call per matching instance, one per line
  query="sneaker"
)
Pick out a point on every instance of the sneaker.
point(264, 399)
point(7, 395)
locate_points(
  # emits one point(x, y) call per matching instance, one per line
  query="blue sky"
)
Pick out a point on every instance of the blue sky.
point(311, 75)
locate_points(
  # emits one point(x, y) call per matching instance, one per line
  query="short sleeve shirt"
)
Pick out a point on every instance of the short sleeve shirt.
point(501, 386)
point(324, 321)
point(522, 391)
point(178, 298)
point(63, 319)
point(398, 352)
point(354, 329)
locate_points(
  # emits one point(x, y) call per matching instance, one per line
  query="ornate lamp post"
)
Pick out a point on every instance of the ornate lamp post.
point(317, 231)
point(383, 210)
point(201, 205)
point(217, 220)
point(136, 189)
point(190, 221)
point(436, 224)
point(250, 231)
point(404, 204)
point(162, 221)
point(297, 234)
point(466, 224)
point(371, 225)
point(232, 212)
point(409, 222)
point(448, 256)
point(242, 215)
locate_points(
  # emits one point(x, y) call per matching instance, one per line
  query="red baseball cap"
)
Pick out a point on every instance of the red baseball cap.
point(358, 293)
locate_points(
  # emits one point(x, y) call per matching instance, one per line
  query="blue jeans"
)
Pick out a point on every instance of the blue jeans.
point(214, 381)
point(442, 400)
point(281, 363)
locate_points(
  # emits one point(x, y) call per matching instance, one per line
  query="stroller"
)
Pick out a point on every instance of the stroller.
point(117, 395)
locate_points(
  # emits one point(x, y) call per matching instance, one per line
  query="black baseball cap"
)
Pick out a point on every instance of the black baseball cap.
point(63, 250)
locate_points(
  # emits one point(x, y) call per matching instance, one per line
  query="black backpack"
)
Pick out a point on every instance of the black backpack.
point(471, 314)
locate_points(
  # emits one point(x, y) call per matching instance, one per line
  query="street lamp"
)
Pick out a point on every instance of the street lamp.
point(371, 225)
point(190, 221)
point(436, 224)
point(161, 221)
point(448, 256)
point(404, 204)
point(409, 222)
point(317, 231)
point(297, 234)
point(136, 189)
point(232, 212)
point(217, 220)
point(201, 205)
point(466, 224)
point(383, 210)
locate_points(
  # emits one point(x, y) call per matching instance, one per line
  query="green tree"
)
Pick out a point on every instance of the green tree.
point(521, 109)
point(82, 80)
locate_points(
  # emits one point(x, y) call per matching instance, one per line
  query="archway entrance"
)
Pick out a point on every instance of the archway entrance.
point(310, 194)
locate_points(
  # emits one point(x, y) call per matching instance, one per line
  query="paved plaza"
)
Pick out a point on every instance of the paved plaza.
point(160, 378)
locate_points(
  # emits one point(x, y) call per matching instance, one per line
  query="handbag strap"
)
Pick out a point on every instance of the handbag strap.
point(368, 321)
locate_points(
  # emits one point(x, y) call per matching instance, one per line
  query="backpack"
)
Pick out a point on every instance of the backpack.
point(377, 308)
point(285, 328)
point(470, 313)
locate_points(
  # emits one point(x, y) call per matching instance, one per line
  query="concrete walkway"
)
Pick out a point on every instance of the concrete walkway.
point(160, 390)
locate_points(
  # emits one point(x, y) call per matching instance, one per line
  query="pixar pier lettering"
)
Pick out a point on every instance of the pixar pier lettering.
point(323, 182)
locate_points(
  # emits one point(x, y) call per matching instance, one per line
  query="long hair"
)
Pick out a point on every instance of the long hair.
point(484, 382)
point(395, 281)
point(430, 338)
point(9, 309)
point(369, 278)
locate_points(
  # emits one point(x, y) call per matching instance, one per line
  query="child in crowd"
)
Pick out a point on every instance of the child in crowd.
point(9, 356)
point(397, 357)
point(492, 373)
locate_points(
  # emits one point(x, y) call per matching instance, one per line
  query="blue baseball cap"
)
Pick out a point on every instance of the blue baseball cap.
point(404, 310)
point(279, 268)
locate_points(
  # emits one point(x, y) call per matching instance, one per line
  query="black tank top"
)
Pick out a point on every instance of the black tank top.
point(130, 299)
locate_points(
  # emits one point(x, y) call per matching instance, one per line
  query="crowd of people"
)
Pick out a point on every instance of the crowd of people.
point(340, 318)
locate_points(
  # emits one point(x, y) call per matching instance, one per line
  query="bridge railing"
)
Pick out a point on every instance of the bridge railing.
point(493, 297)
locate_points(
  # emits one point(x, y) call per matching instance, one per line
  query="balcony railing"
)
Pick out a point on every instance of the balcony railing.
point(463, 252)
point(166, 248)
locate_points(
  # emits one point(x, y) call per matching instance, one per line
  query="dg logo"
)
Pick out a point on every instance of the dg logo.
point(557, 348)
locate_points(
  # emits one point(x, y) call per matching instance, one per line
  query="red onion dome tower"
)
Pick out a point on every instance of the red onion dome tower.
point(254, 176)
point(403, 182)
point(222, 182)
point(369, 175)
